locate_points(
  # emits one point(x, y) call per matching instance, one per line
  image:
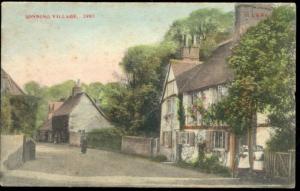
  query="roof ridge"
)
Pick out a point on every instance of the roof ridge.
point(11, 81)
point(97, 107)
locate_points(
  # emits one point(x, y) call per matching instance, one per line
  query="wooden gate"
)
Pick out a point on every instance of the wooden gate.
point(280, 164)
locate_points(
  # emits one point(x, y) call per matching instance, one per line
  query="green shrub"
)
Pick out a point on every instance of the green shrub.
point(160, 158)
point(106, 138)
point(23, 114)
point(207, 164)
point(212, 165)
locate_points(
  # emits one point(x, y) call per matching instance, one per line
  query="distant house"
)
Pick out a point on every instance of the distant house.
point(8, 85)
point(193, 79)
point(46, 132)
point(78, 113)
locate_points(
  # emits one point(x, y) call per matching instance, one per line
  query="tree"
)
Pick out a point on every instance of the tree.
point(263, 63)
point(5, 114)
point(23, 114)
point(46, 94)
point(144, 68)
point(33, 88)
point(212, 26)
point(94, 90)
point(137, 102)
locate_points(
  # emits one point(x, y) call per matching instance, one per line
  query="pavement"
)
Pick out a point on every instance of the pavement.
point(63, 165)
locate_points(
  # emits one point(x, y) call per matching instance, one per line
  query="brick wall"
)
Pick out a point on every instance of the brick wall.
point(147, 147)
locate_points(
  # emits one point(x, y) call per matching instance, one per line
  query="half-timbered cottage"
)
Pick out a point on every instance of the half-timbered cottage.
point(189, 79)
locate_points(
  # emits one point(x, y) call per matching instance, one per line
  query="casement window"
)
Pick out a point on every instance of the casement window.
point(167, 139)
point(170, 88)
point(217, 139)
point(186, 138)
point(194, 97)
point(222, 91)
point(170, 105)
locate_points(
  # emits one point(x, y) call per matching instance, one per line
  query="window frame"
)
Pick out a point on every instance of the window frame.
point(217, 142)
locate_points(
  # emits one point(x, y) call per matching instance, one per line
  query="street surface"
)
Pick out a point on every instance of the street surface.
point(63, 165)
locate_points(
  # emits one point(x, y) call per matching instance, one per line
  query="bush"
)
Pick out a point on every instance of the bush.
point(106, 138)
point(23, 114)
point(160, 158)
point(207, 164)
point(212, 165)
point(283, 140)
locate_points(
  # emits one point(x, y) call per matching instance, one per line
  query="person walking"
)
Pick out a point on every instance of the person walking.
point(83, 142)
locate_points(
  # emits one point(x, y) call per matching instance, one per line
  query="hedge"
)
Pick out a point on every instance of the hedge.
point(106, 139)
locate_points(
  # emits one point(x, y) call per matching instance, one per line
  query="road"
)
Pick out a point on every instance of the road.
point(63, 165)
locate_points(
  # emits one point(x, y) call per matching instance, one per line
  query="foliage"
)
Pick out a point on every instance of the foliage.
point(5, 114)
point(159, 158)
point(23, 114)
point(207, 164)
point(57, 92)
point(106, 138)
point(140, 94)
point(264, 68)
point(207, 114)
point(283, 140)
point(263, 63)
point(212, 26)
point(181, 112)
point(195, 108)
point(94, 90)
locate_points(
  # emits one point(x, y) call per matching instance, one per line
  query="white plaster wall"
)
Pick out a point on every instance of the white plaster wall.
point(86, 116)
point(171, 77)
point(262, 118)
point(190, 153)
point(263, 134)
point(172, 123)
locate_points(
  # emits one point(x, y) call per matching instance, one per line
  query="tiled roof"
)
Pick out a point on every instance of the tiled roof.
point(180, 66)
point(213, 72)
point(8, 85)
point(71, 103)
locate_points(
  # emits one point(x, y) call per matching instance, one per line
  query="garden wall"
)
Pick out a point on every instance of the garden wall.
point(142, 146)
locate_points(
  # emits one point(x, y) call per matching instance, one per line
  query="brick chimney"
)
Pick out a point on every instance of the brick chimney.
point(190, 52)
point(249, 14)
point(76, 89)
point(53, 106)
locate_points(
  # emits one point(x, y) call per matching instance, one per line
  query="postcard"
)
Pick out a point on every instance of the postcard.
point(198, 95)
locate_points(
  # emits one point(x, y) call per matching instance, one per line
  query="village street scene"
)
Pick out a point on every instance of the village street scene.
point(198, 95)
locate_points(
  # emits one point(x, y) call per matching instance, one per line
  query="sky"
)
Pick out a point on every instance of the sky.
point(52, 49)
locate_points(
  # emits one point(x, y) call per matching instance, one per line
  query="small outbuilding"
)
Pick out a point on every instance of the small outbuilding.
point(78, 113)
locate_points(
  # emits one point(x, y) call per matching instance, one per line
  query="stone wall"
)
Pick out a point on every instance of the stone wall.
point(147, 147)
point(15, 150)
point(74, 139)
point(11, 151)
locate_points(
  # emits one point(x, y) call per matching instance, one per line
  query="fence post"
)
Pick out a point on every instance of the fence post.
point(179, 151)
point(291, 166)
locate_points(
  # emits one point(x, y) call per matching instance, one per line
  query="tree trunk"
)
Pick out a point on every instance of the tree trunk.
point(251, 138)
point(250, 148)
point(234, 145)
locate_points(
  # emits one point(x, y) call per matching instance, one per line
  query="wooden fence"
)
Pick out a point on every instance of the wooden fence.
point(280, 164)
